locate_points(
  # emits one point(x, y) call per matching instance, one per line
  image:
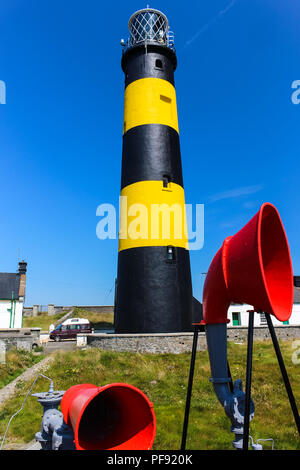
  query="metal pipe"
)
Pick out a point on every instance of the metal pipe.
point(248, 269)
point(22, 406)
point(230, 377)
point(11, 309)
point(283, 372)
point(248, 381)
point(189, 389)
point(14, 312)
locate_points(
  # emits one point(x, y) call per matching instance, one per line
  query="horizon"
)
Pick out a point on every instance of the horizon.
point(61, 109)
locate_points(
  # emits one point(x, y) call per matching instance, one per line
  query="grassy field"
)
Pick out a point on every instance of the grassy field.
point(164, 380)
point(16, 362)
point(100, 321)
point(42, 321)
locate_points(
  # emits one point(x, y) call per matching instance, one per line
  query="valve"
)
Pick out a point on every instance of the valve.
point(54, 434)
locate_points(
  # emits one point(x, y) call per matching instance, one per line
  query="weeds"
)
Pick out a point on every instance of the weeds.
point(16, 362)
point(163, 378)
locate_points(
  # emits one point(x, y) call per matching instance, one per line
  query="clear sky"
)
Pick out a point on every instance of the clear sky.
point(61, 130)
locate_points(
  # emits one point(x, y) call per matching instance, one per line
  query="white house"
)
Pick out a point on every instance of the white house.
point(12, 297)
point(238, 315)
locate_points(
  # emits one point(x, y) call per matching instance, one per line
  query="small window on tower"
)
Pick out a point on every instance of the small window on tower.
point(171, 254)
point(166, 180)
point(166, 99)
point(158, 64)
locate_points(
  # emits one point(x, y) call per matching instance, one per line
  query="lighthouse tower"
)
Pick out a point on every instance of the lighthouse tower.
point(153, 287)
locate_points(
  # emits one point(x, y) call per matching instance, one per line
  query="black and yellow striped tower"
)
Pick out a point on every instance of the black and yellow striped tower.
point(153, 289)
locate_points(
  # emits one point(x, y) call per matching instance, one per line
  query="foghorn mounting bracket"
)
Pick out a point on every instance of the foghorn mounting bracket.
point(240, 401)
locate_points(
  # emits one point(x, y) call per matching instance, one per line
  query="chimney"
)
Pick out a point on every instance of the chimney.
point(22, 267)
point(22, 273)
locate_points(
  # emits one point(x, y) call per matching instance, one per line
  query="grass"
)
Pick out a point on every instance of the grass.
point(16, 362)
point(42, 321)
point(163, 377)
point(100, 321)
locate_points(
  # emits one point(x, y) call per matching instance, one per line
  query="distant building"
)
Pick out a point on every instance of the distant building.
point(12, 297)
point(238, 315)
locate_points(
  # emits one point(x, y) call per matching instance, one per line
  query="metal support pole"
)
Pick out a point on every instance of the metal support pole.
point(189, 389)
point(229, 375)
point(248, 381)
point(283, 371)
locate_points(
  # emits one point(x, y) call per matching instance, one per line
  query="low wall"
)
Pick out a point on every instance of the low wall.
point(283, 332)
point(176, 343)
point(20, 338)
point(29, 311)
point(54, 309)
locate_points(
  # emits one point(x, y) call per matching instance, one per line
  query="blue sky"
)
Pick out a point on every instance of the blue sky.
point(61, 130)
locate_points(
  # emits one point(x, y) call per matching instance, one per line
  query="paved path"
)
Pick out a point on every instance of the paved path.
point(30, 374)
point(7, 391)
point(64, 345)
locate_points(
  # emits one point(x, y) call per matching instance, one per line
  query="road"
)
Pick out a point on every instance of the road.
point(64, 345)
point(67, 344)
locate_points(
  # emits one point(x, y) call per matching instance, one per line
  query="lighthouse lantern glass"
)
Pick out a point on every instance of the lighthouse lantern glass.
point(148, 26)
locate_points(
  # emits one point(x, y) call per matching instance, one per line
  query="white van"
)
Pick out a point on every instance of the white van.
point(76, 321)
point(70, 328)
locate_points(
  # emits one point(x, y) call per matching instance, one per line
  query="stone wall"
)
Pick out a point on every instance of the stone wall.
point(283, 332)
point(177, 343)
point(54, 309)
point(174, 343)
point(20, 338)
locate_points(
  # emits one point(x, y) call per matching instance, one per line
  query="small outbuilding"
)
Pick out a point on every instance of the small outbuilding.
point(12, 297)
point(238, 313)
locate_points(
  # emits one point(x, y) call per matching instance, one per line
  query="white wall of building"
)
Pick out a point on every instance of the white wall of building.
point(5, 305)
point(243, 315)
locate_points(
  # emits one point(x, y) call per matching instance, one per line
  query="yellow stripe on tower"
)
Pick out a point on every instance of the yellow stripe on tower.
point(150, 101)
point(152, 215)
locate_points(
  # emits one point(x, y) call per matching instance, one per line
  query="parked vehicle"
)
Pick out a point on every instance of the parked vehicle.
point(70, 329)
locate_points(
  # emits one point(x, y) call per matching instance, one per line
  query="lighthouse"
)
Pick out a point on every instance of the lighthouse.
point(153, 287)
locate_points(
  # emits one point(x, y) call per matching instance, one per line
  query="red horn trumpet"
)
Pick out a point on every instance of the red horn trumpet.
point(253, 267)
point(114, 417)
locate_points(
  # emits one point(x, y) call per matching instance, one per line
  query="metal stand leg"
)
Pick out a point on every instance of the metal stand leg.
point(248, 381)
point(229, 375)
point(283, 372)
point(189, 390)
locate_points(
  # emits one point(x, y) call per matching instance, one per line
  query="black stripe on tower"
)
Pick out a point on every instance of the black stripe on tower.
point(155, 295)
point(154, 290)
point(158, 62)
point(151, 153)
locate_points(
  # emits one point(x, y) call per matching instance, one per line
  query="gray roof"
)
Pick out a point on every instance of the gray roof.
point(9, 282)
